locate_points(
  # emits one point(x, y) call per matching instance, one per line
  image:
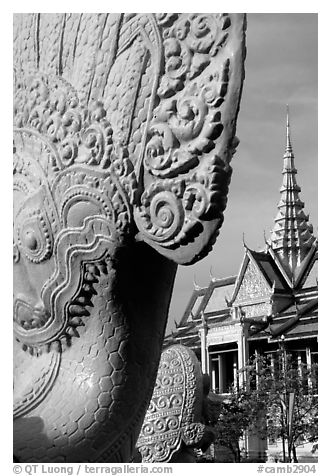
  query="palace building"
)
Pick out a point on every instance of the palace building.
point(272, 299)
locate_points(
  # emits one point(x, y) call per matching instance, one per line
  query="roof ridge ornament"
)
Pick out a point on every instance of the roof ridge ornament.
point(196, 286)
point(244, 242)
point(212, 277)
point(266, 242)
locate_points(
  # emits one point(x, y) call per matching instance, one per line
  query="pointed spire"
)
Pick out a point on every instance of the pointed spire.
point(291, 237)
point(288, 149)
point(288, 156)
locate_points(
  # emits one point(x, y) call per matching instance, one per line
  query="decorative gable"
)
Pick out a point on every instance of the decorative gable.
point(252, 285)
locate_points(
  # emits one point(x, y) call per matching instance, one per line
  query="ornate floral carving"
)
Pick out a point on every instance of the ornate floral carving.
point(172, 416)
point(256, 310)
point(193, 434)
point(165, 18)
point(189, 45)
point(50, 105)
point(189, 128)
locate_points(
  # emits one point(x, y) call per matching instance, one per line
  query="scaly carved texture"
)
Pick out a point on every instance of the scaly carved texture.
point(123, 124)
point(173, 415)
point(86, 415)
point(84, 405)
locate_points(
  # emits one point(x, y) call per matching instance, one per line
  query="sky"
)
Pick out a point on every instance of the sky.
point(281, 68)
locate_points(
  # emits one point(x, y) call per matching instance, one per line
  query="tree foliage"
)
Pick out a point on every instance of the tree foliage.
point(278, 400)
point(234, 419)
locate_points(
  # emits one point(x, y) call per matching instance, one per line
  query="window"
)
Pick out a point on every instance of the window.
point(223, 367)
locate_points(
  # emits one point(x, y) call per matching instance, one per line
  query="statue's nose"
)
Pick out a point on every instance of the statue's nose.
point(26, 283)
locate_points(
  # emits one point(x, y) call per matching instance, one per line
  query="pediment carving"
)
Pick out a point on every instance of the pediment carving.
point(252, 285)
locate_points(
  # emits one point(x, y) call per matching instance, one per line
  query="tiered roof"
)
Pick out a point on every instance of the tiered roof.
point(292, 235)
point(281, 282)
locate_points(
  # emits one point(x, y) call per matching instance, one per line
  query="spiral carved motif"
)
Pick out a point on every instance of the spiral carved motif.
point(163, 213)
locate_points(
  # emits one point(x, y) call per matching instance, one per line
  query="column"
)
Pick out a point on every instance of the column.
point(241, 351)
point(213, 379)
point(235, 375)
point(242, 355)
point(257, 355)
point(308, 360)
point(207, 358)
point(299, 364)
point(272, 364)
point(308, 357)
point(220, 374)
point(204, 349)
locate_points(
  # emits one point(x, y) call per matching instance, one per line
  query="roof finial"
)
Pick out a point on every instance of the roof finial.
point(196, 286)
point(288, 136)
point(265, 238)
point(243, 240)
point(211, 274)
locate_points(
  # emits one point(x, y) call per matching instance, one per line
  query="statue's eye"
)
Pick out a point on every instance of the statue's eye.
point(31, 240)
point(35, 236)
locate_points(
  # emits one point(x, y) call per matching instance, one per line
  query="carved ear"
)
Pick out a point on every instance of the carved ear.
point(190, 139)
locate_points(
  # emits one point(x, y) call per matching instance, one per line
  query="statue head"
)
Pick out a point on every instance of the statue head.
point(73, 195)
point(124, 132)
point(145, 156)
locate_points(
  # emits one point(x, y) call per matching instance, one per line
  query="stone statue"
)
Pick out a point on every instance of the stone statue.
point(173, 424)
point(124, 128)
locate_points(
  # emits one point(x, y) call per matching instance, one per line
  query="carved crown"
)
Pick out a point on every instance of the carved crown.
point(151, 99)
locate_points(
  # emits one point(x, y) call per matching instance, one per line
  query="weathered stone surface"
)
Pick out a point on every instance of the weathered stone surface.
point(124, 127)
point(173, 423)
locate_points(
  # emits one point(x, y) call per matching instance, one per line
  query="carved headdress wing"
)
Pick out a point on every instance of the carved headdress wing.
point(149, 99)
